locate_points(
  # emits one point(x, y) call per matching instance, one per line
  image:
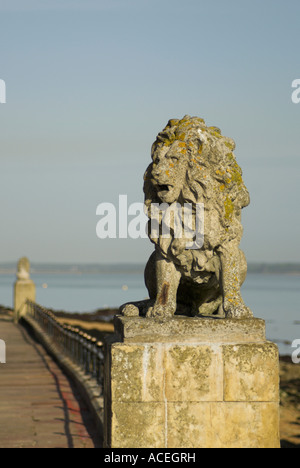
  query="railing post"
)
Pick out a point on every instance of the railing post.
point(94, 357)
point(100, 364)
point(82, 349)
point(77, 346)
point(88, 355)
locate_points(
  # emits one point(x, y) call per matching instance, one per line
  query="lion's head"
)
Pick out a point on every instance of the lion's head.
point(195, 163)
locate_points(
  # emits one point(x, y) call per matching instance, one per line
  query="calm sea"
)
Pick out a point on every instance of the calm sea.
point(275, 298)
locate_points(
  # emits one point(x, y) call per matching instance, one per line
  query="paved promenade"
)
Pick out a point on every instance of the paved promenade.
point(39, 406)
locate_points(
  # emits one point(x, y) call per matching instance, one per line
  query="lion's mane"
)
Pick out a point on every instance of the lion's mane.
point(213, 177)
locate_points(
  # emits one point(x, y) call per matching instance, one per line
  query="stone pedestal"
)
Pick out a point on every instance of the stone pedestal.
point(191, 383)
point(23, 290)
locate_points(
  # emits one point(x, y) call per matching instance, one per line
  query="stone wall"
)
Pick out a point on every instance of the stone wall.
point(191, 383)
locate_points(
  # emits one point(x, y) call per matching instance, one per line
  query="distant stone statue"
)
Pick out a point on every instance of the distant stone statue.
point(23, 272)
point(194, 164)
point(24, 288)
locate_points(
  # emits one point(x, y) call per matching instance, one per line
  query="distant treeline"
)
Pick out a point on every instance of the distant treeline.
point(79, 269)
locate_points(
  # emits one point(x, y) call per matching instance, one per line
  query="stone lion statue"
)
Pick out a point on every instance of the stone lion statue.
point(193, 163)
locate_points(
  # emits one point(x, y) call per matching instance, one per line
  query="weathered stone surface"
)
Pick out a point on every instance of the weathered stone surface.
point(202, 365)
point(137, 425)
point(195, 425)
point(194, 164)
point(251, 372)
point(189, 425)
point(136, 373)
point(189, 329)
point(223, 425)
point(244, 425)
point(188, 395)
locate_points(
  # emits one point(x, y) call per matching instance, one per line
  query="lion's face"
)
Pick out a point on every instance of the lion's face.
point(193, 163)
point(169, 169)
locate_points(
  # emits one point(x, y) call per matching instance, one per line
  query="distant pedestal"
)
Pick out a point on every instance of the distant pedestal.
point(23, 290)
point(191, 383)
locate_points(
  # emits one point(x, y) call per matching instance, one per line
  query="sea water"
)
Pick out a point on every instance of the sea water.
point(274, 298)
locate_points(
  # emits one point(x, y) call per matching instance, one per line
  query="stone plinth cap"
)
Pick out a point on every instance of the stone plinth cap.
point(183, 329)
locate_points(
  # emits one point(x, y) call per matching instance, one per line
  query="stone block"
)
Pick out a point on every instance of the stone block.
point(217, 389)
point(136, 373)
point(201, 366)
point(223, 425)
point(251, 372)
point(137, 425)
point(244, 425)
point(189, 330)
point(188, 424)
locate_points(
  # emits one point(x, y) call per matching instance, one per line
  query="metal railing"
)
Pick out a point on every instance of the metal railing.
point(81, 348)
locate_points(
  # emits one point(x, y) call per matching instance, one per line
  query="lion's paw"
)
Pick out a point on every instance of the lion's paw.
point(159, 311)
point(130, 310)
point(240, 311)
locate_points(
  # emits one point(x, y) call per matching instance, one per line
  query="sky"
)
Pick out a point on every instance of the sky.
point(90, 83)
